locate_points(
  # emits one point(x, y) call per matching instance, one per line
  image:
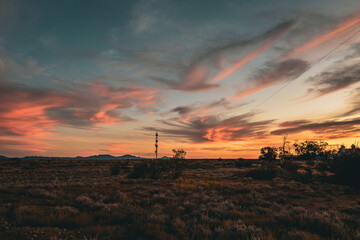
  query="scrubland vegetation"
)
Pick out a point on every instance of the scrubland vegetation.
point(179, 199)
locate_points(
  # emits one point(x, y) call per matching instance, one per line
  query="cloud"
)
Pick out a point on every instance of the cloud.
point(293, 123)
point(263, 47)
point(272, 74)
point(16, 147)
point(330, 129)
point(346, 25)
point(27, 111)
point(334, 80)
point(216, 129)
point(354, 102)
point(146, 14)
point(195, 79)
point(194, 69)
point(28, 68)
point(198, 76)
point(186, 113)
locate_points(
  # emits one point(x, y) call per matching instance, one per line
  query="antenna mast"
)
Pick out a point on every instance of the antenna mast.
point(156, 145)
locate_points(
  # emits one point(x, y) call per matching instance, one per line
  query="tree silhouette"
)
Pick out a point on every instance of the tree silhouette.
point(179, 154)
point(310, 149)
point(268, 153)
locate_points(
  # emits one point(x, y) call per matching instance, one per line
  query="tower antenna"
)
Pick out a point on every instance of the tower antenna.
point(156, 145)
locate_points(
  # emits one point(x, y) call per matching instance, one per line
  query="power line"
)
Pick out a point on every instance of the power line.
point(307, 69)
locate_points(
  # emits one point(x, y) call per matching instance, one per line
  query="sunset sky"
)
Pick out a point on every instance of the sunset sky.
point(216, 78)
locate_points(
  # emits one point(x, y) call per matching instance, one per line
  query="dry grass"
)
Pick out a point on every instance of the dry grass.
point(211, 199)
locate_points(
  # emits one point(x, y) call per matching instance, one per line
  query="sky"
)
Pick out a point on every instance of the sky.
point(216, 78)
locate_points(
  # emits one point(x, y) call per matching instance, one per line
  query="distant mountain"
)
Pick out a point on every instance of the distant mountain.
point(107, 156)
point(94, 157)
point(100, 156)
point(165, 157)
point(128, 156)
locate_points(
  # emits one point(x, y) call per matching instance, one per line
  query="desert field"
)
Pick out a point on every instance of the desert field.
point(207, 199)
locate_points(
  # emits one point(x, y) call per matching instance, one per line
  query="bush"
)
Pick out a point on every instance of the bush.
point(347, 168)
point(240, 163)
point(115, 169)
point(263, 173)
point(268, 153)
point(289, 166)
point(157, 169)
point(310, 162)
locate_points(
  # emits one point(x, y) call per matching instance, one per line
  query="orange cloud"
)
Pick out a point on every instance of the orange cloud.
point(196, 79)
point(283, 71)
point(267, 44)
point(242, 94)
point(31, 112)
point(15, 147)
point(345, 26)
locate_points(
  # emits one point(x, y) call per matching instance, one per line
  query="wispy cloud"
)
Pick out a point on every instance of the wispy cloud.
point(29, 111)
point(28, 68)
point(146, 14)
point(272, 74)
point(280, 30)
point(348, 24)
point(354, 103)
point(16, 147)
point(334, 79)
point(332, 129)
point(214, 128)
point(189, 112)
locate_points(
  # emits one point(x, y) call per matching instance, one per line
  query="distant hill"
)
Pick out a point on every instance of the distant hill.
point(165, 157)
point(128, 156)
point(94, 157)
point(100, 156)
point(107, 156)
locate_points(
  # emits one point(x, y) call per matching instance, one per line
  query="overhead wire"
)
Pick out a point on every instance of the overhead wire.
point(307, 69)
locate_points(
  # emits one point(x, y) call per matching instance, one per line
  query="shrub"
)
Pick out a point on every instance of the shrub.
point(310, 149)
point(268, 153)
point(289, 166)
point(310, 162)
point(179, 153)
point(347, 168)
point(115, 169)
point(158, 169)
point(240, 163)
point(322, 166)
point(263, 173)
